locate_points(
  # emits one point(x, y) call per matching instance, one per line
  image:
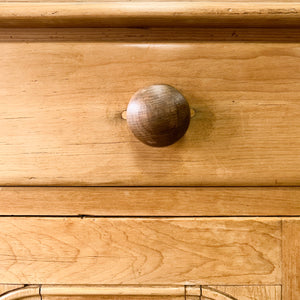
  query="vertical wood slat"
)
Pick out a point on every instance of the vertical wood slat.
point(291, 259)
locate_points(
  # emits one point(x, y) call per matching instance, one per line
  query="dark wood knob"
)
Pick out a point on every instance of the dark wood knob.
point(158, 115)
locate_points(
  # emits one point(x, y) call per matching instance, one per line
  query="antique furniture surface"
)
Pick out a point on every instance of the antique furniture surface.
point(95, 205)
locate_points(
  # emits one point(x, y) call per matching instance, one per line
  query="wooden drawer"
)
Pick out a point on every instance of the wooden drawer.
point(140, 251)
point(89, 212)
point(163, 258)
point(61, 106)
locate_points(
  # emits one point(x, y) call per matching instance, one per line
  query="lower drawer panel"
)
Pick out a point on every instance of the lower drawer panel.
point(140, 250)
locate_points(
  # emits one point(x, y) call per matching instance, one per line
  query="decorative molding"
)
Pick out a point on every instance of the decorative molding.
point(111, 290)
point(21, 293)
point(101, 290)
point(161, 14)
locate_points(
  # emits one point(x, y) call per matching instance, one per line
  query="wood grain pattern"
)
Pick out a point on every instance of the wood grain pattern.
point(158, 115)
point(140, 250)
point(143, 201)
point(247, 292)
point(138, 14)
point(291, 259)
point(70, 131)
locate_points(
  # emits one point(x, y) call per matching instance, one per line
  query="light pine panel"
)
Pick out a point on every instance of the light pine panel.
point(291, 259)
point(140, 251)
point(144, 201)
point(61, 105)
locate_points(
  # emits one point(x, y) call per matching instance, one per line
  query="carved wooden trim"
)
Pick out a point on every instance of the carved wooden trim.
point(188, 292)
point(111, 290)
point(135, 14)
point(21, 293)
point(6, 288)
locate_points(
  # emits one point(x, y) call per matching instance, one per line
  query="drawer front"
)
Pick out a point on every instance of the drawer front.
point(220, 259)
point(160, 251)
point(63, 93)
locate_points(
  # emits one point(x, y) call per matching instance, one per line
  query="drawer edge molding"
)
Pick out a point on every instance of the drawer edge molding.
point(148, 201)
point(171, 292)
point(146, 14)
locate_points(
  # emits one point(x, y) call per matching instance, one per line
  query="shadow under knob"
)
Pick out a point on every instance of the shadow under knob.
point(158, 115)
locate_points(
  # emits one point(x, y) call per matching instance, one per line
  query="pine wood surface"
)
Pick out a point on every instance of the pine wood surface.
point(143, 201)
point(140, 250)
point(149, 14)
point(70, 132)
point(291, 259)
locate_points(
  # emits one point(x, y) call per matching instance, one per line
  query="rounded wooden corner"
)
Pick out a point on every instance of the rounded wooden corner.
point(22, 293)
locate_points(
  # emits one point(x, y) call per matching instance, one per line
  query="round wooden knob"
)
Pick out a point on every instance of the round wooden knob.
point(158, 115)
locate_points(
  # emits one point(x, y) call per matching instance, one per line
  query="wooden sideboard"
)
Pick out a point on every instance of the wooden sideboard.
point(87, 211)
